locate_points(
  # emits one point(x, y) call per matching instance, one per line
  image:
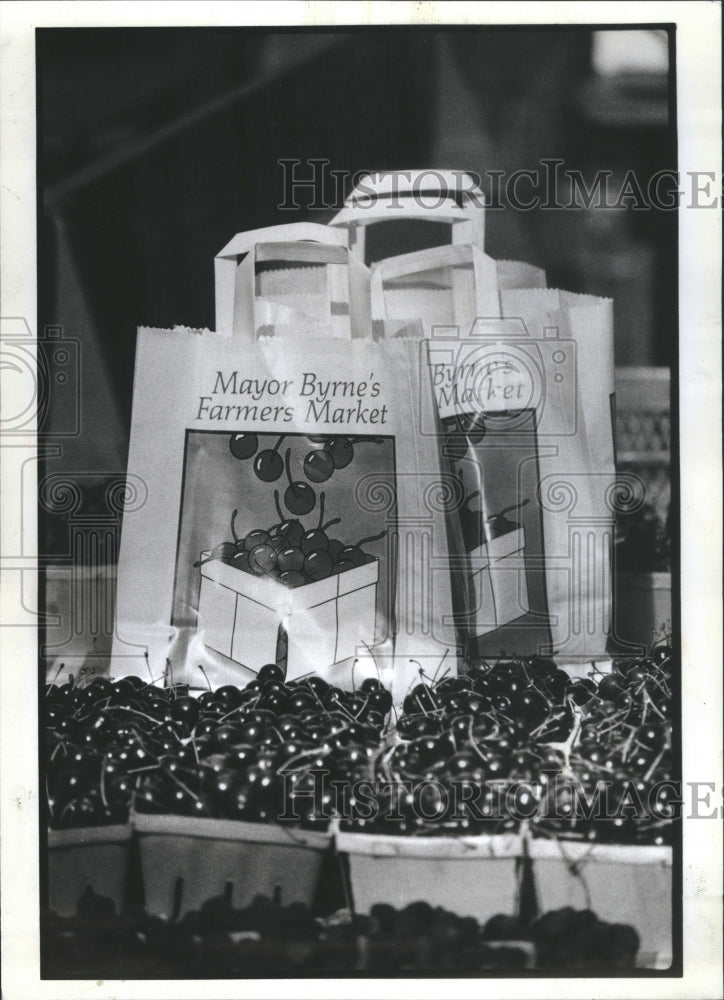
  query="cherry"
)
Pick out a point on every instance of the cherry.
point(262, 559)
point(316, 539)
point(354, 554)
point(268, 464)
point(341, 451)
point(292, 578)
point(270, 672)
point(243, 445)
point(532, 707)
point(581, 691)
point(380, 700)
point(318, 565)
point(256, 537)
point(558, 726)
point(228, 693)
point(318, 465)
point(609, 688)
point(290, 558)
point(299, 498)
point(185, 709)
point(420, 699)
point(292, 531)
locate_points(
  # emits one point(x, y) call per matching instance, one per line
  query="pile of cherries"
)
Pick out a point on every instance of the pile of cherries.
point(272, 750)
point(246, 754)
point(269, 938)
point(289, 552)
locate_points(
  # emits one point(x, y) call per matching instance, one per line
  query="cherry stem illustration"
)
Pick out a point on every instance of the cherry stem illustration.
point(514, 506)
point(276, 446)
point(278, 506)
point(233, 526)
point(372, 538)
point(292, 484)
point(322, 496)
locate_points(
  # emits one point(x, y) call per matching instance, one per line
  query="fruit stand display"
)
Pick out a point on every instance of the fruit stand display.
point(457, 799)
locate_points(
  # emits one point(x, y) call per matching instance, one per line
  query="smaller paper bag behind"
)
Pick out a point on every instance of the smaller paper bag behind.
point(526, 405)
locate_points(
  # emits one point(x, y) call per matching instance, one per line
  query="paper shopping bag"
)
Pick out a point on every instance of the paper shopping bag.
point(528, 438)
point(410, 210)
point(294, 510)
point(292, 280)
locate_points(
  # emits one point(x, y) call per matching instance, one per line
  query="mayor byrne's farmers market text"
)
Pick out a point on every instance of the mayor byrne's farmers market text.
point(266, 400)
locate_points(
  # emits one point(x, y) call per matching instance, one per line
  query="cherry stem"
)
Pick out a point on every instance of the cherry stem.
point(278, 506)
point(206, 678)
point(233, 526)
point(185, 787)
point(655, 763)
point(439, 665)
point(286, 769)
point(57, 674)
point(276, 446)
point(292, 484)
point(143, 716)
point(322, 496)
point(102, 783)
point(372, 538)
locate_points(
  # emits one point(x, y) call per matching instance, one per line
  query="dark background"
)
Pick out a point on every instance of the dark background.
point(155, 146)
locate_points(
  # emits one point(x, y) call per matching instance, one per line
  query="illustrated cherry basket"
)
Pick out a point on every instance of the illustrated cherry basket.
point(186, 859)
point(471, 876)
point(325, 621)
point(95, 857)
point(617, 881)
point(499, 581)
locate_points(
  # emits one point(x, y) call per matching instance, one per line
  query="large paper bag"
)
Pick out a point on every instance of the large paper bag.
point(294, 507)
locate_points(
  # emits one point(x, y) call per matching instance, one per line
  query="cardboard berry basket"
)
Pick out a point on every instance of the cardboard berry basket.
point(185, 860)
point(325, 621)
point(621, 883)
point(499, 582)
point(474, 876)
point(92, 856)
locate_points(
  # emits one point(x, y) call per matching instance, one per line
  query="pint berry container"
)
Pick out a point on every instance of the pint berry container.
point(621, 883)
point(470, 876)
point(186, 860)
point(95, 857)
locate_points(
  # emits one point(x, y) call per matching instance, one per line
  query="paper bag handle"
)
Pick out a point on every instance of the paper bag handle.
point(291, 237)
point(379, 200)
point(486, 299)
